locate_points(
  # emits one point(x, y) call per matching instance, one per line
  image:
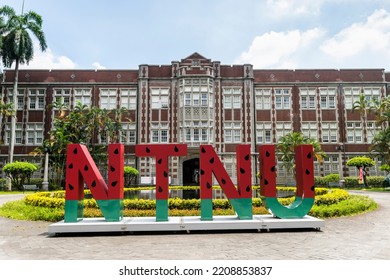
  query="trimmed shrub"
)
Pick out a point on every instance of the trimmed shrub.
point(320, 181)
point(372, 181)
point(332, 178)
point(19, 173)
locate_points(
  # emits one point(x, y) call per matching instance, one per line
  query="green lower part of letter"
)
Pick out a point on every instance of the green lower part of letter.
point(206, 209)
point(112, 209)
point(74, 211)
point(161, 210)
point(298, 209)
point(243, 207)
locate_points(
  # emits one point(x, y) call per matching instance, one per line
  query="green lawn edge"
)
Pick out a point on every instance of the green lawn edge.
point(18, 210)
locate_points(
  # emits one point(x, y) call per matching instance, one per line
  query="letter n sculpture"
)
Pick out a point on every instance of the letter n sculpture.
point(80, 169)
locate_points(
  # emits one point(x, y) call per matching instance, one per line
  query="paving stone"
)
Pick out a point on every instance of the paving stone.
point(361, 237)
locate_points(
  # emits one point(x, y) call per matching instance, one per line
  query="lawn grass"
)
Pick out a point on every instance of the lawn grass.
point(355, 204)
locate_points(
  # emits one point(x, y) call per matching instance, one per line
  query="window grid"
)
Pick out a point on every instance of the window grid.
point(282, 98)
point(108, 99)
point(263, 99)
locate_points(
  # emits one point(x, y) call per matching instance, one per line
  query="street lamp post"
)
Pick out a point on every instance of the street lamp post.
point(45, 183)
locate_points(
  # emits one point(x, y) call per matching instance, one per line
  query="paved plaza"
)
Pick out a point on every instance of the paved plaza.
point(362, 237)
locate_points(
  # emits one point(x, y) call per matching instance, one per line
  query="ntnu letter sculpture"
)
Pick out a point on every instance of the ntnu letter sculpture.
point(80, 169)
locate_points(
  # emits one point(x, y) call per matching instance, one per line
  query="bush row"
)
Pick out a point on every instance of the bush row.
point(372, 181)
point(318, 191)
point(51, 200)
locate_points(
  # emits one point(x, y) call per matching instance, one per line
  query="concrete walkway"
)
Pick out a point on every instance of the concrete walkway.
point(362, 237)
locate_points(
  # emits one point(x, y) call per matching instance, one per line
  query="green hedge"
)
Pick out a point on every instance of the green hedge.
point(54, 200)
point(372, 181)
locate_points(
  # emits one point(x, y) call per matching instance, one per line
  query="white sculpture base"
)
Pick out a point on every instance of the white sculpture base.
point(187, 223)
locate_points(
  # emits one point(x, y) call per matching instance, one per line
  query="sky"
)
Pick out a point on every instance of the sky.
point(269, 34)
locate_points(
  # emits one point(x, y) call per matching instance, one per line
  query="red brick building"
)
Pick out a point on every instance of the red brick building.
point(200, 101)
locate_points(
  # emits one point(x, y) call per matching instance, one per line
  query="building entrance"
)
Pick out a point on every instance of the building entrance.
point(191, 172)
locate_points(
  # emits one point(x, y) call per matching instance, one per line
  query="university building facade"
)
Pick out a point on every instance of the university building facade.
point(199, 101)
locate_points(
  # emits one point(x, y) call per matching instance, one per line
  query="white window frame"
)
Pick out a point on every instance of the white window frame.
point(108, 98)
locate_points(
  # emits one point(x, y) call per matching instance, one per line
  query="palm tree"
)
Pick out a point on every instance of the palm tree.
point(362, 105)
point(17, 47)
point(287, 144)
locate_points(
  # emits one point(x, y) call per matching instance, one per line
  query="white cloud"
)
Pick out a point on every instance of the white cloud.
point(280, 49)
point(370, 36)
point(364, 44)
point(97, 65)
point(294, 7)
point(48, 60)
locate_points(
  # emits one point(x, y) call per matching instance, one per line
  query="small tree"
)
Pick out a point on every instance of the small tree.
point(362, 162)
point(19, 173)
point(385, 167)
point(286, 149)
point(131, 175)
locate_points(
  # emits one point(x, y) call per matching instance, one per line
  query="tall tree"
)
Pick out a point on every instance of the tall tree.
point(286, 147)
point(362, 105)
point(17, 48)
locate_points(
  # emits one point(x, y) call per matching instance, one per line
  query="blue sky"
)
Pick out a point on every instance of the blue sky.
point(270, 34)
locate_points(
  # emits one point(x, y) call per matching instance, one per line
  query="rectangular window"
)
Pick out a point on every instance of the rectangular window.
point(128, 98)
point(282, 98)
point(232, 132)
point(196, 134)
point(160, 98)
point(232, 98)
point(159, 133)
point(204, 99)
point(329, 132)
point(128, 133)
point(18, 134)
point(282, 128)
point(328, 98)
point(34, 133)
point(108, 99)
point(19, 98)
point(263, 99)
point(82, 95)
point(63, 94)
point(36, 99)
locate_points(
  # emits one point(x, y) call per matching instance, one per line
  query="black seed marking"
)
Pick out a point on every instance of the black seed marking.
point(223, 181)
point(116, 151)
point(248, 189)
point(273, 169)
point(313, 188)
point(212, 160)
point(267, 154)
point(165, 174)
point(71, 187)
point(93, 184)
point(307, 172)
point(247, 157)
point(112, 168)
point(309, 155)
point(86, 168)
point(265, 182)
point(114, 183)
point(176, 149)
point(203, 150)
point(242, 170)
point(201, 172)
point(147, 150)
point(75, 151)
point(208, 185)
point(160, 190)
point(71, 166)
point(159, 161)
